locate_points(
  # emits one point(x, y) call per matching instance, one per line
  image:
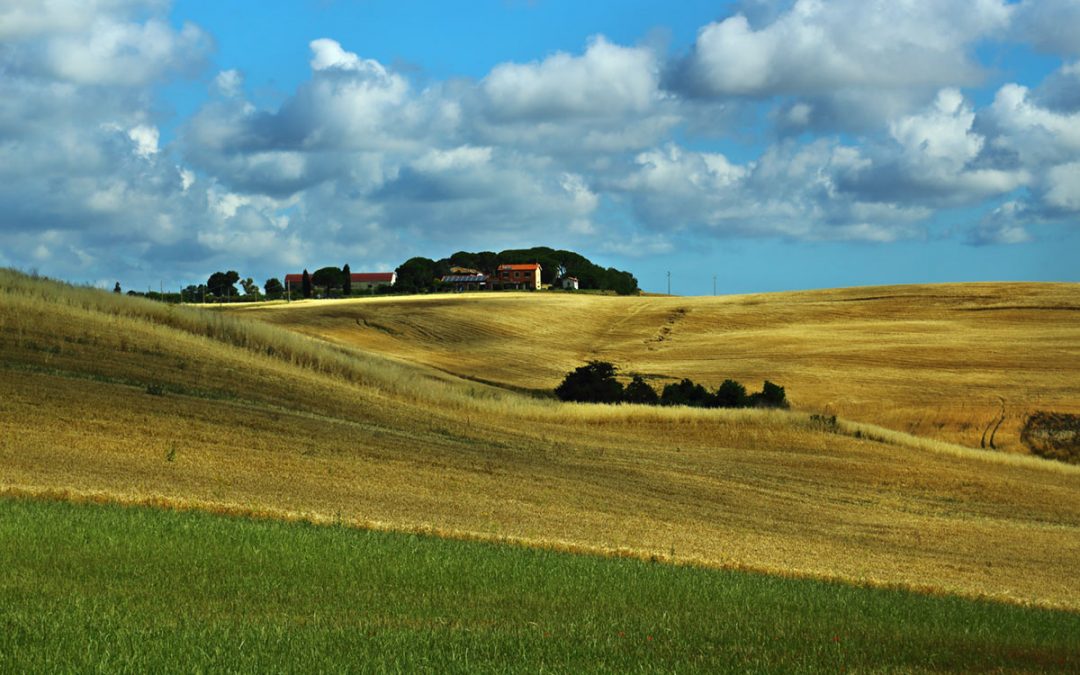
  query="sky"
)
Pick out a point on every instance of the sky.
point(746, 146)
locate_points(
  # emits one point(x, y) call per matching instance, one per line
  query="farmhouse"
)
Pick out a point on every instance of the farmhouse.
point(570, 283)
point(519, 276)
point(369, 280)
point(361, 281)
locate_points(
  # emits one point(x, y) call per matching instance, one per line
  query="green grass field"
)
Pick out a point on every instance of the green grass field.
point(113, 589)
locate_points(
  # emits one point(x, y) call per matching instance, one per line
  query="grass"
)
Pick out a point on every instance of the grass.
point(105, 588)
point(124, 400)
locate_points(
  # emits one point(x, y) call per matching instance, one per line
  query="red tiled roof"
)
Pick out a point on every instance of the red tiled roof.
point(522, 268)
point(368, 277)
point(360, 277)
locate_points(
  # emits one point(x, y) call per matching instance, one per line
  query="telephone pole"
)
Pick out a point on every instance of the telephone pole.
point(669, 283)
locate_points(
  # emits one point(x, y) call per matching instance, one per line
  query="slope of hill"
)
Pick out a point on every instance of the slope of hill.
point(955, 362)
point(124, 400)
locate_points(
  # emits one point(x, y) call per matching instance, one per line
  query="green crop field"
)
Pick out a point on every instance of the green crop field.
point(105, 588)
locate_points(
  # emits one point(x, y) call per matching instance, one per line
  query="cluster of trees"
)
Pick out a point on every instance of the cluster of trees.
point(222, 286)
point(596, 382)
point(419, 275)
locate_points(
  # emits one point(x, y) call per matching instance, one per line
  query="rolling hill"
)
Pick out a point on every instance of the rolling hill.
point(953, 362)
point(116, 399)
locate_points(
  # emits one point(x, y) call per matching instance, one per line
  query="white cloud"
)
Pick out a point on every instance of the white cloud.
point(1035, 133)
point(1001, 226)
point(126, 53)
point(1051, 25)
point(21, 19)
point(145, 137)
point(789, 191)
point(819, 46)
point(1063, 187)
point(229, 83)
point(608, 80)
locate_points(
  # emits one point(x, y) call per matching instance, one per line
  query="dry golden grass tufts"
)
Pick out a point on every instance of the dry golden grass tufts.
point(125, 400)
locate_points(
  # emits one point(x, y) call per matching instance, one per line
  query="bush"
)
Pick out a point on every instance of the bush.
point(592, 383)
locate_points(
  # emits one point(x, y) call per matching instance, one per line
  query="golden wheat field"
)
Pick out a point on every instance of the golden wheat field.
point(385, 420)
point(965, 363)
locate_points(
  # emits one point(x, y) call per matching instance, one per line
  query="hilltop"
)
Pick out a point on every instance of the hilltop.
point(121, 399)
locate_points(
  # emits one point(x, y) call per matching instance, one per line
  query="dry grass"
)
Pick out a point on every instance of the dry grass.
point(257, 419)
point(939, 362)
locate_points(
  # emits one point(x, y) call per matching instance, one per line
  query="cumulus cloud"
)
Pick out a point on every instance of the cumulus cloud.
point(1062, 190)
point(1050, 25)
point(789, 191)
point(126, 53)
point(933, 158)
point(1001, 226)
point(818, 47)
point(1036, 134)
point(607, 81)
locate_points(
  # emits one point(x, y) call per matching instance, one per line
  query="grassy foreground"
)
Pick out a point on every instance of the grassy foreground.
point(132, 589)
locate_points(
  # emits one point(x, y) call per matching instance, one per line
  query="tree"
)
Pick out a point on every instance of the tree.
point(116, 288)
point(419, 274)
point(686, 393)
point(274, 288)
point(346, 280)
point(639, 391)
point(221, 283)
point(592, 383)
point(327, 277)
point(730, 394)
point(306, 282)
point(250, 287)
point(770, 396)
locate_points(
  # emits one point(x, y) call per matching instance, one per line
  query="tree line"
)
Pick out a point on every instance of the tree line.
point(596, 382)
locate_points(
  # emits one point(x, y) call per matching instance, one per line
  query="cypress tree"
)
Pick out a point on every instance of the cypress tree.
point(307, 284)
point(346, 280)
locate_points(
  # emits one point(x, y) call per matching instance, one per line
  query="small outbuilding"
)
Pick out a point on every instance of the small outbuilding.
point(570, 283)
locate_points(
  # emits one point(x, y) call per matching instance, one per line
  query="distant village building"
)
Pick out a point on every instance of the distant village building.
point(520, 276)
point(570, 283)
point(366, 281)
point(465, 282)
point(361, 281)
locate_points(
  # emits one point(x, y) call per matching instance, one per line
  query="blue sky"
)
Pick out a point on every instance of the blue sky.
point(771, 145)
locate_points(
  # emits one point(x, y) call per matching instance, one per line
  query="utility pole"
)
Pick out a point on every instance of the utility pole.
point(669, 283)
point(288, 291)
